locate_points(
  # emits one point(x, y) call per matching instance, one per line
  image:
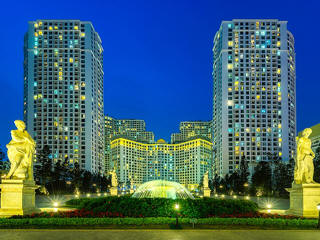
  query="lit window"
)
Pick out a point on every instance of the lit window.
point(71, 60)
point(83, 97)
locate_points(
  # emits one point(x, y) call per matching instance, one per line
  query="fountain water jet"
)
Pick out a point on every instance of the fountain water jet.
point(162, 189)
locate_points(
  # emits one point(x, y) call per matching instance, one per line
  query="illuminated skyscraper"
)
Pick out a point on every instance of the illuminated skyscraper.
point(63, 91)
point(193, 129)
point(184, 162)
point(133, 129)
point(254, 98)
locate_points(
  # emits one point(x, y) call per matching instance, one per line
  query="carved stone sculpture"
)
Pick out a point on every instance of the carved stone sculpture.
point(20, 153)
point(18, 186)
point(114, 178)
point(206, 180)
point(304, 193)
point(304, 169)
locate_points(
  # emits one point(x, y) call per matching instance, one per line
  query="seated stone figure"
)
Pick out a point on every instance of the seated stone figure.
point(20, 153)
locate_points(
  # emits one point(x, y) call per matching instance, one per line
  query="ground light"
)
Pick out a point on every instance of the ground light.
point(55, 206)
point(177, 207)
point(318, 207)
point(269, 206)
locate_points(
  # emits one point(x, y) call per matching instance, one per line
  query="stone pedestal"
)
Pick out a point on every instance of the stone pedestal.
point(206, 192)
point(17, 197)
point(114, 191)
point(304, 199)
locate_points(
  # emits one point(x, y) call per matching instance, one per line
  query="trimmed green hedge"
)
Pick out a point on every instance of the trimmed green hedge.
point(163, 207)
point(145, 222)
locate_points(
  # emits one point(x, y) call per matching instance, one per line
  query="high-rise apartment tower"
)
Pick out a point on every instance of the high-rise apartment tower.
point(254, 98)
point(63, 91)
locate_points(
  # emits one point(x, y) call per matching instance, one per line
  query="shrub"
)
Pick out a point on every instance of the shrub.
point(114, 222)
point(162, 207)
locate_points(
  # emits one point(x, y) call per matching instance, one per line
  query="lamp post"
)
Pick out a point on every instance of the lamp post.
point(318, 207)
point(176, 207)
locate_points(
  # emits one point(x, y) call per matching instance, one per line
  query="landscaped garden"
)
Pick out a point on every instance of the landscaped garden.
point(127, 212)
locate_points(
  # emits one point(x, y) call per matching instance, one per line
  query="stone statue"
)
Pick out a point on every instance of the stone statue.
point(303, 171)
point(20, 153)
point(44, 190)
point(205, 181)
point(131, 182)
point(114, 178)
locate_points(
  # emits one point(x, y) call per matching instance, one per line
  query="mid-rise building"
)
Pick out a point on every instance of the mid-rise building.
point(193, 129)
point(133, 129)
point(314, 137)
point(184, 162)
point(63, 91)
point(254, 98)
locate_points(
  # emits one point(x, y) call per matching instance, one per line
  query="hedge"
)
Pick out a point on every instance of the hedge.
point(145, 222)
point(163, 207)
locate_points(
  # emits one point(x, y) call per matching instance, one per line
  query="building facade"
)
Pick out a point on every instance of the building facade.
point(133, 129)
point(63, 91)
point(193, 129)
point(184, 162)
point(254, 98)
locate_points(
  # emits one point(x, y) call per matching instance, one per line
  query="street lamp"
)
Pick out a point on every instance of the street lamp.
point(177, 207)
point(318, 207)
point(55, 204)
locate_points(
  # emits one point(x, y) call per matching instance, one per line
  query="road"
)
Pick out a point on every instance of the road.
point(159, 234)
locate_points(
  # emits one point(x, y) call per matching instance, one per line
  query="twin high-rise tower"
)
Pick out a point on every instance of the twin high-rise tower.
point(254, 104)
point(63, 91)
point(254, 98)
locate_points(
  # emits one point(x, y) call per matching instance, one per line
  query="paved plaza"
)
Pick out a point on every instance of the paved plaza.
point(159, 234)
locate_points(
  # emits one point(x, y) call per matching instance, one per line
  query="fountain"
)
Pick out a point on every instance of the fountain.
point(162, 189)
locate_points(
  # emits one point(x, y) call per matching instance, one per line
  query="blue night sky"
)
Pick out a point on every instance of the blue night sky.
point(158, 55)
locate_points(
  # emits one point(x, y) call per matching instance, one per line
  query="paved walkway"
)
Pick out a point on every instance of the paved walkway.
point(159, 234)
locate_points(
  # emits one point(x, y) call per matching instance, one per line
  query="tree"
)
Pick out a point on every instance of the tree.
point(283, 177)
point(4, 163)
point(316, 162)
point(261, 178)
point(76, 175)
point(43, 168)
point(243, 175)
